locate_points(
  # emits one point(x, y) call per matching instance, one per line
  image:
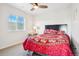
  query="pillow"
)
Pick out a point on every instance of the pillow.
point(48, 31)
point(60, 32)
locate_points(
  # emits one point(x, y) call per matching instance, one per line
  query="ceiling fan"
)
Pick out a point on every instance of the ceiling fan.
point(37, 5)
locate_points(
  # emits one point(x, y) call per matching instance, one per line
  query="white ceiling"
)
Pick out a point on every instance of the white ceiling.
point(51, 7)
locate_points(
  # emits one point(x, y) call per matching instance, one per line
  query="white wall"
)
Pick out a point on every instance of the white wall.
point(7, 37)
point(75, 26)
point(60, 16)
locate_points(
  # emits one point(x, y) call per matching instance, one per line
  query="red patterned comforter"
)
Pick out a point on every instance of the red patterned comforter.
point(49, 44)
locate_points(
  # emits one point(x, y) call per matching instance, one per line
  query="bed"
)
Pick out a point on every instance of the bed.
point(52, 43)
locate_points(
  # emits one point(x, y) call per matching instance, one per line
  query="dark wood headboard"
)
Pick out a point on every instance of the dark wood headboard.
point(56, 26)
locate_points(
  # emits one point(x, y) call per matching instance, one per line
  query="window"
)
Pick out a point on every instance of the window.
point(20, 23)
point(16, 23)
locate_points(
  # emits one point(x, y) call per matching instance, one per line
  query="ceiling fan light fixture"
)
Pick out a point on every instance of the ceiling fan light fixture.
point(35, 7)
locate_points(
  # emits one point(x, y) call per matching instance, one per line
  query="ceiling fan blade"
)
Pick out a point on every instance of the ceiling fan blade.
point(37, 5)
point(34, 4)
point(43, 6)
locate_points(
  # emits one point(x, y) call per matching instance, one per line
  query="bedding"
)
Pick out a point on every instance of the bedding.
point(52, 43)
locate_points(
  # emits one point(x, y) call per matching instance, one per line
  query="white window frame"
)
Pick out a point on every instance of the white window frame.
point(16, 23)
